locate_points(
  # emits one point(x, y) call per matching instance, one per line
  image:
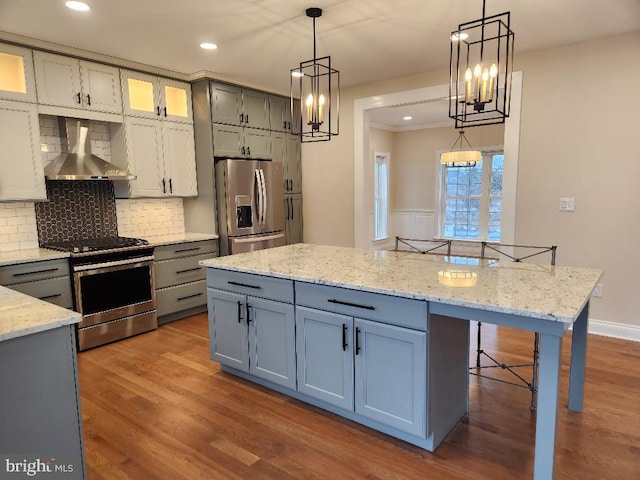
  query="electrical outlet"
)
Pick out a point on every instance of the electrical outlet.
point(597, 292)
point(567, 204)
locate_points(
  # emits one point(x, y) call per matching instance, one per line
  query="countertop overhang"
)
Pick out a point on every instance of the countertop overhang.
point(555, 293)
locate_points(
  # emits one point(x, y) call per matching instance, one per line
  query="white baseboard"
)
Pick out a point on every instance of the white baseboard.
point(623, 331)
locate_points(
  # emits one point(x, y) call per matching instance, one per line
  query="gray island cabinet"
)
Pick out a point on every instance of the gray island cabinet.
point(382, 337)
point(40, 424)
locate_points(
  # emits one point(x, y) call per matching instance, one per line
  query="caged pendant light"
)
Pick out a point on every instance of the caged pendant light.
point(315, 85)
point(480, 64)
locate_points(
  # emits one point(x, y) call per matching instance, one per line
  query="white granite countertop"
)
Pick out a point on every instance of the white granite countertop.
point(31, 255)
point(158, 240)
point(22, 315)
point(539, 291)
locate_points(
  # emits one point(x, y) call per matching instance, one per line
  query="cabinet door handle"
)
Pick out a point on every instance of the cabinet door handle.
point(248, 314)
point(246, 118)
point(182, 250)
point(88, 99)
point(344, 337)
point(186, 270)
point(158, 110)
point(189, 296)
point(357, 340)
point(241, 118)
point(78, 98)
point(349, 304)
point(170, 186)
point(165, 111)
point(284, 125)
point(164, 186)
point(47, 297)
point(242, 150)
point(248, 150)
point(246, 285)
point(35, 272)
point(239, 311)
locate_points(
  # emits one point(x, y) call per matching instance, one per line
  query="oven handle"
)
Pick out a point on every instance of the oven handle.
point(115, 263)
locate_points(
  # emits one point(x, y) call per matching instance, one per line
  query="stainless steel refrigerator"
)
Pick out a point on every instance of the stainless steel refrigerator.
point(250, 204)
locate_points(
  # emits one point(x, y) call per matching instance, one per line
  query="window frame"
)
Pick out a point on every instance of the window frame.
point(485, 198)
point(381, 212)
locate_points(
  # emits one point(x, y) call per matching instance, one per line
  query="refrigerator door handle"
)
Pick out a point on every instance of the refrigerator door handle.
point(264, 197)
point(258, 180)
point(261, 238)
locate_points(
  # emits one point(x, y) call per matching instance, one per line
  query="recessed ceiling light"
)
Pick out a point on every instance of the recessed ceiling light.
point(208, 46)
point(408, 117)
point(297, 74)
point(459, 36)
point(78, 6)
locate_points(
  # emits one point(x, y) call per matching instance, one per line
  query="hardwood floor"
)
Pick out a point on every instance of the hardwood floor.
point(156, 407)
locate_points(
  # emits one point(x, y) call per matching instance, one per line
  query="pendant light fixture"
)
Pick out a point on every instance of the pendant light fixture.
point(315, 87)
point(480, 65)
point(461, 157)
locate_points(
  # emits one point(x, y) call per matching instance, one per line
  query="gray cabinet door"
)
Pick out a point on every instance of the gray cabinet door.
point(293, 216)
point(293, 165)
point(255, 106)
point(280, 114)
point(325, 356)
point(228, 329)
point(228, 141)
point(257, 143)
point(391, 375)
point(226, 104)
point(272, 341)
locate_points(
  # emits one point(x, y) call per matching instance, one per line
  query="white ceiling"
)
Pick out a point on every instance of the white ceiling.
point(261, 40)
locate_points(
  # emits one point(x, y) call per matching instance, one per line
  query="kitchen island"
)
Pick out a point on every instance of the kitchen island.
point(40, 424)
point(382, 337)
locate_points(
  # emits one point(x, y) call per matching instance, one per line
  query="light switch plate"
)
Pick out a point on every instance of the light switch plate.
point(567, 204)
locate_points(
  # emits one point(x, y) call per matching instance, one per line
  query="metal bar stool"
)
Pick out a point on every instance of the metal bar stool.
point(522, 382)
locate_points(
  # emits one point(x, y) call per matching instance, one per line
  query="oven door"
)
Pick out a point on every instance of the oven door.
point(111, 290)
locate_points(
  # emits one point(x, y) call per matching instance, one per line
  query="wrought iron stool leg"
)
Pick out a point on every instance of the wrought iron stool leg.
point(478, 346)
point(534, 380)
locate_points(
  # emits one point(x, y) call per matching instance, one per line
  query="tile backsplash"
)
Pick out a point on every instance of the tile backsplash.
point(18, 229)
point(145, 217)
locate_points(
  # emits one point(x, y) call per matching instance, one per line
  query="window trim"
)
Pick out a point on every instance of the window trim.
point(486, 192)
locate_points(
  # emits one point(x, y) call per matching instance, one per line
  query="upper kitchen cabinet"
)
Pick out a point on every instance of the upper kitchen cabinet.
point(155, 97)
point(232, 105)
point(286, 149)
point(21, 168)
point(280, 114)
point(70, 83)
point(160, 154)
point(17, 81)
point(231, 141)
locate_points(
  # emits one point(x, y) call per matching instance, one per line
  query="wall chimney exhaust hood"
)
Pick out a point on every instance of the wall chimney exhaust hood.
point(78, 163)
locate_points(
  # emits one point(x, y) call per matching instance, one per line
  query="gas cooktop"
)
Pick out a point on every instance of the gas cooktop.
point(95, 244)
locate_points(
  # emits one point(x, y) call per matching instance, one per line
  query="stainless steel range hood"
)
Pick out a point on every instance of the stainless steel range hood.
point(78, 163)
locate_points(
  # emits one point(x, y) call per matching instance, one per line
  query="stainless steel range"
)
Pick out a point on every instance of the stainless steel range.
point(114, 288)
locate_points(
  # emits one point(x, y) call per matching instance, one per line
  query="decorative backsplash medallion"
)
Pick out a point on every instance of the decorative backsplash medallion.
point(77, 209)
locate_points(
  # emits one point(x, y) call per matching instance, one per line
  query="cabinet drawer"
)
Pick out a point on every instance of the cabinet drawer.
point(28, 272)
point(52, 290)
point(179, 270)
point(186, 249)
point(255, 285)
point(175, 299)
point(399, 311)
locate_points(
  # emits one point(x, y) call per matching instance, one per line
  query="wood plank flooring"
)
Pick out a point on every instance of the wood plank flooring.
point(156, 407)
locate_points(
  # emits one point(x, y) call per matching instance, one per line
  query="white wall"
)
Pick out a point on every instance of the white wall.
point(578, 139)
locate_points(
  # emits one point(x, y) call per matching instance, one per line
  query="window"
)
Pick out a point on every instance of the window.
point(381, 174)
point(471, 199)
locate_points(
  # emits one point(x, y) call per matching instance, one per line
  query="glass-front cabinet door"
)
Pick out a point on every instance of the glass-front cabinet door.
point(154, 97)
point(141, 95)
point(17, 79)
